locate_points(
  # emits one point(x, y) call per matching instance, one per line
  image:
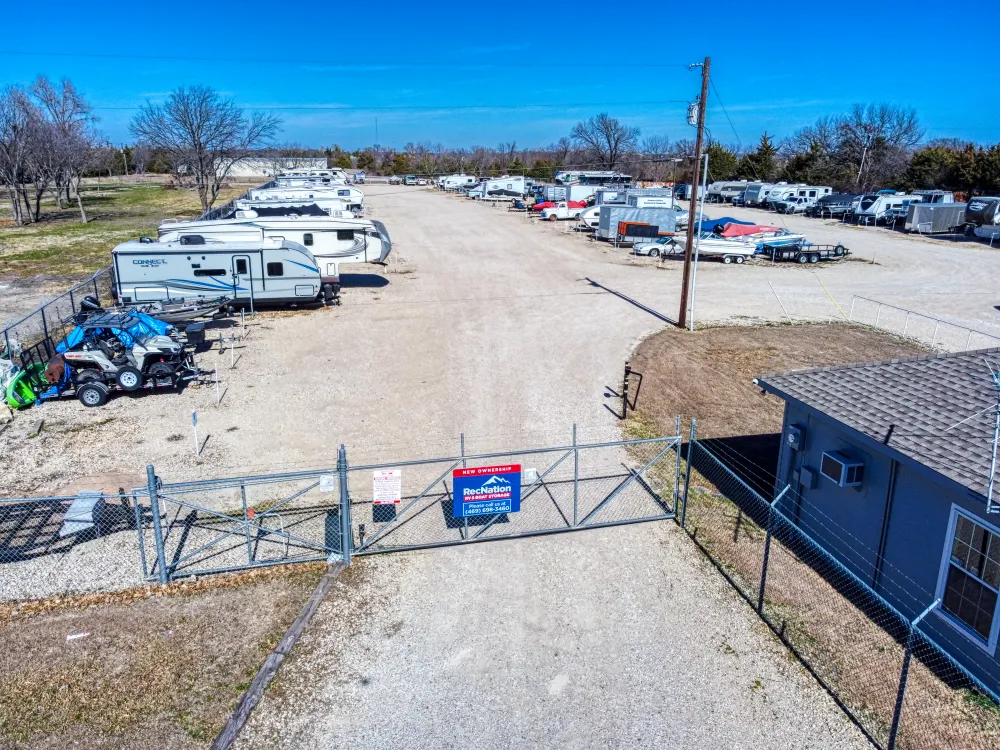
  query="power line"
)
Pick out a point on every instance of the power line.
point(340, 63)
point(431, 107)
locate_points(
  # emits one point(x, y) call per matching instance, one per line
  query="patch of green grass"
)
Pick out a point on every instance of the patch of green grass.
point(61, 245)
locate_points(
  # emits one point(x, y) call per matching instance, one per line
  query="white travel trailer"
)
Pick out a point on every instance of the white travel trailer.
point(336, 207)
point(880, 206)
point(499, 189)
point(294, 177)
point(724, 192)
point(354, 198)
point(264, 272)
point(332, 241)
point(782, 192)
point(458, 181)
point(572, 177)
point(756, 193)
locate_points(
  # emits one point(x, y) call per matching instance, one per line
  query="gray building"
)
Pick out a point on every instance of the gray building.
point(889, 469)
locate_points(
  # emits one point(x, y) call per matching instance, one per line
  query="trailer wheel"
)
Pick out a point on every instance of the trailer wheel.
point(740, 260)
point(839, 250)
point(803, 259)
point(813, 258)
point(727, 259)
point(92, 394)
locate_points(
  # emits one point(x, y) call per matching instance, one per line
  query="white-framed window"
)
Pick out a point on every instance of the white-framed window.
point(969, 581)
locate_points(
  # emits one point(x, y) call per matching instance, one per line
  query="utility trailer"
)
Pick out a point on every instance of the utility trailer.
point(806, 253)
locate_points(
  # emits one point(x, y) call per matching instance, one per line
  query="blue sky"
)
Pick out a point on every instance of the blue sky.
point(458, 73)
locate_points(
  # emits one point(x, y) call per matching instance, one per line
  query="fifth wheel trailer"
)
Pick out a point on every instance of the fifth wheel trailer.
point(333, 241)
point(611, 215)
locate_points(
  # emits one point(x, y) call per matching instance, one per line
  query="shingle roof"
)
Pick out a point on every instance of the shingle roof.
point(941, 408)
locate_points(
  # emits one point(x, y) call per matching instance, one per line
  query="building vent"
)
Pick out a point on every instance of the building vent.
point(841, 470)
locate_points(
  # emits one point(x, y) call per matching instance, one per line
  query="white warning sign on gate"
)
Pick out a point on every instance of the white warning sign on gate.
point(387, 486)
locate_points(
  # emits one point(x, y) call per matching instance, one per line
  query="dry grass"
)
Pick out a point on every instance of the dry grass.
point(858, 659)
point(61, 245)
point(709, 374)
point(161, 667)
point(852, 654)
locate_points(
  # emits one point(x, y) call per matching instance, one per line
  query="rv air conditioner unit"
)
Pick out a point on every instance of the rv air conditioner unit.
point(841, 470)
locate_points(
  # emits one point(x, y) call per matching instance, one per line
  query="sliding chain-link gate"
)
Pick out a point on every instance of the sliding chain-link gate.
point(218, 525)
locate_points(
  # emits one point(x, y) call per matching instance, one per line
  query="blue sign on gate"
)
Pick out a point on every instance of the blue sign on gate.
point(486, 490)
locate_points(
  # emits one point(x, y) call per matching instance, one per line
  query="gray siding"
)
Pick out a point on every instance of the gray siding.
point(854, 524)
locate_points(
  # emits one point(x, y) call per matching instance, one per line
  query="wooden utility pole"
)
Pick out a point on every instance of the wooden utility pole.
point(693, 211)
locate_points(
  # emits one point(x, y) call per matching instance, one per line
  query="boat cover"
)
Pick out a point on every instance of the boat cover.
point(742, 230)
point(143, 325)
point(710, 224)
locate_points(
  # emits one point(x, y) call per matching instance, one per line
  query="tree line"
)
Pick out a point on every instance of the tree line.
point(49, 142)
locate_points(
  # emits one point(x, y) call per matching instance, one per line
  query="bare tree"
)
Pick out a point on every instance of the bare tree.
point(876, 139)
point(505, 154)
point(73, 120)
point(142, 154)
point(605, 139)
point(16, 114)
point(199, 128)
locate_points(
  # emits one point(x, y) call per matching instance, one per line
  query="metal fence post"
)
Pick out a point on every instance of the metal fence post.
point(904, 674)
point(576, 479)
point(45, 325)
point(97, 293)
point(767, 549)
point(346, 528)
point(687, 474)
point(246, 523)
point(154, 504)
point(850, 316)
point(677, 471)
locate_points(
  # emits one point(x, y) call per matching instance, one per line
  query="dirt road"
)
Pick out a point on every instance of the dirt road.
point(619, 637)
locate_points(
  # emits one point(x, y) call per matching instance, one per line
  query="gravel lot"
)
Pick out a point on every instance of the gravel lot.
point(488, 324)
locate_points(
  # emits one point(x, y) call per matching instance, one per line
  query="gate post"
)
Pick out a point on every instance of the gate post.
point(346, 527)
point(687, 473)
point(154, 503)
point(904, 675)
point(576, 478)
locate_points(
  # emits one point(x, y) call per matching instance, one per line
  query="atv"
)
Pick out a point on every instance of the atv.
point(116, 350)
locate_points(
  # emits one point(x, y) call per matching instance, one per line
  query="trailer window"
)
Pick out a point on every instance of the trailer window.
point(241, 265)
point(209, 272)
point(307, 239)
point(275, 269)
point(345, 234)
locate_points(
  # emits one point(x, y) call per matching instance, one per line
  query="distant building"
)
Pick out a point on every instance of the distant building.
point(890, 466)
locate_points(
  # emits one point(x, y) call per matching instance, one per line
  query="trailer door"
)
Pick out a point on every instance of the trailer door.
point(244, 278)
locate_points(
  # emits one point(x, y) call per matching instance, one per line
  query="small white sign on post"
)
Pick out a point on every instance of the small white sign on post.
point(387, 486)
point(327, 483)
point(194, 426)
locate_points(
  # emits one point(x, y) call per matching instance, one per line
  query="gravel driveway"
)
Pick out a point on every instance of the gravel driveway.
point(613, 638)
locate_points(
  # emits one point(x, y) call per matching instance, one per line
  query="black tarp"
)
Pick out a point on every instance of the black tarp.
point(310, 210)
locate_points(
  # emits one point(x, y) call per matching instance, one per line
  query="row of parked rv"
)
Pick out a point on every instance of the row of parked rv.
point(923, 211)
point(612, 208)
point(281, 243)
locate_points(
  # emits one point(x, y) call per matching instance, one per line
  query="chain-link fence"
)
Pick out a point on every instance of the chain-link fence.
point(896, 683)
point(54, 319)
point(50, 546)
point(96, 541)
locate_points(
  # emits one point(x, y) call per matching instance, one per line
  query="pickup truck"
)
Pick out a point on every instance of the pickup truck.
point(794, 205)
point(562, 210)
